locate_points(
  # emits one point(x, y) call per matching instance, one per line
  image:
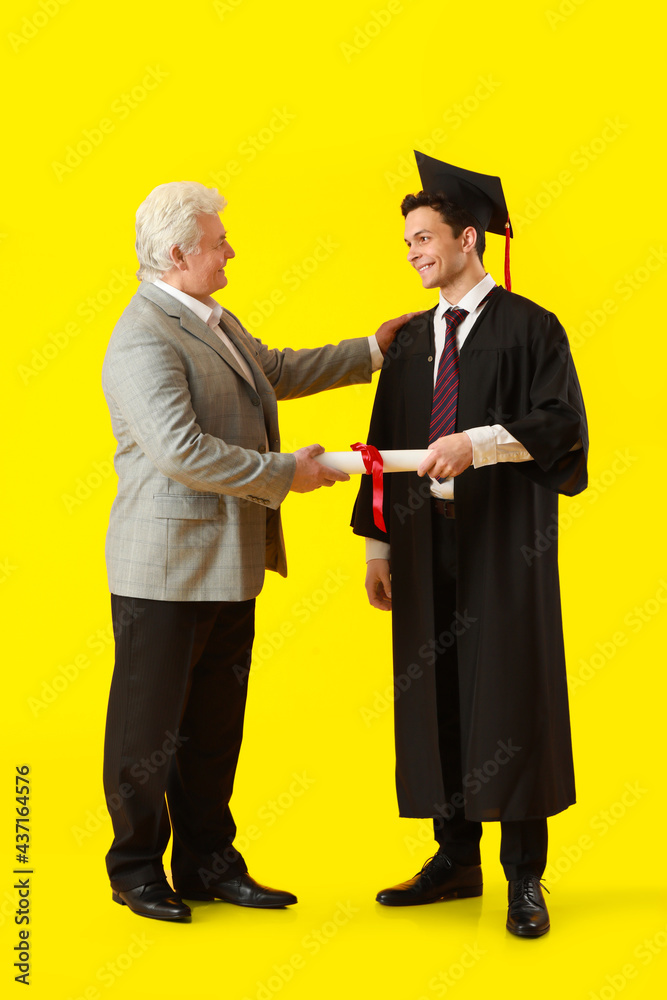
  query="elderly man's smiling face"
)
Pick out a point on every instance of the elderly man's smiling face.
point(202, 274)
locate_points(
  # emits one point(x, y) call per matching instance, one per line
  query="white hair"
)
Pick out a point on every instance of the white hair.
point(167, 218)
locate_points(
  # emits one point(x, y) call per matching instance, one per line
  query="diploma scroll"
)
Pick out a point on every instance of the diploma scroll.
point(352, 462)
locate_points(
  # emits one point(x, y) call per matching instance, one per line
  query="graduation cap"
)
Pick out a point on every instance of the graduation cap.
point(479, 194)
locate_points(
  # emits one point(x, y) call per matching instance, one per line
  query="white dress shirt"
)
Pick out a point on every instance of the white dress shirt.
point(490, 444)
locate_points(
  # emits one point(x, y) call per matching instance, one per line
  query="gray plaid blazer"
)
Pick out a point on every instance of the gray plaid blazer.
point(197, 514)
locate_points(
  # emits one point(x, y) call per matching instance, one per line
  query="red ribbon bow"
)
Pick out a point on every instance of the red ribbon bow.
point(374, 467)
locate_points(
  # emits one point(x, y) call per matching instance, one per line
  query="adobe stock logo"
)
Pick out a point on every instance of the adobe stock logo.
point(88, 310)
point(365, 33)
point(223, 8)
point(120, 109)
point(33, 24)
point(253, 144)
point(565, 9)
point(581, 158)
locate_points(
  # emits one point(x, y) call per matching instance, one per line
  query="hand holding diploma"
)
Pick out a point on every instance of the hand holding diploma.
point(448, 456)
point(311, 472)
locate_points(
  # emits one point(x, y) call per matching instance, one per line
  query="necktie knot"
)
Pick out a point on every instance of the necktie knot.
point(454, 317)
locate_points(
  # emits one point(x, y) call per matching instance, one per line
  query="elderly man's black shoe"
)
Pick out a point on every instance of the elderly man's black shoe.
point(243, 891)
point(154, 899)
point(440, 878)
point(527, 914)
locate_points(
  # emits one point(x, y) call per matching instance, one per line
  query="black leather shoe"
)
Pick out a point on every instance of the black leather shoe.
point(440, 878)
point(527, 914)
point(243, 891)
point(154, 899)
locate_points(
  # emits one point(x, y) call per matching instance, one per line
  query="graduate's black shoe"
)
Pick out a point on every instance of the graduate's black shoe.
point(440, 878)
point(243, 891)
point(527, 914)
point(154, 899)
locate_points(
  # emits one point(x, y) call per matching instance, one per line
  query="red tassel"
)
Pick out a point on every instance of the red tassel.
point(508, 278)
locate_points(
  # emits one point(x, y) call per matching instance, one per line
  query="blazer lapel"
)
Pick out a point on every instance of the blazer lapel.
point(197, 328)
point(234, 331)
point(245, 346)
point(191, 323)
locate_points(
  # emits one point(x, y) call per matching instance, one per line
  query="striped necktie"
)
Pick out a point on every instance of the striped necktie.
point(446, 391)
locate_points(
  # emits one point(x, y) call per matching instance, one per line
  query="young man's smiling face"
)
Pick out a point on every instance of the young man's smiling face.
point(433, 250)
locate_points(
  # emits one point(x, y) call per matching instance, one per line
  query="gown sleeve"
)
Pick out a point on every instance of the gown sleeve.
point(554, 429)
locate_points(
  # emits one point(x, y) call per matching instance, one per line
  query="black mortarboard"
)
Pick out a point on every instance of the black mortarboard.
point(480, 194)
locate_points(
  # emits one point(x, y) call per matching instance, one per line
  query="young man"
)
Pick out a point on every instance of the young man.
point(486, 381)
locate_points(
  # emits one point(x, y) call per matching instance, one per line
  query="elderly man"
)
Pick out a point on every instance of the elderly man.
point(192, 397)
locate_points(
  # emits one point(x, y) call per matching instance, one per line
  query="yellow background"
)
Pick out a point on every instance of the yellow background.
point(564, 100)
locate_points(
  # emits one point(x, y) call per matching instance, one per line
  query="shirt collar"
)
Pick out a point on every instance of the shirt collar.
point(471, 299)
point(209, 312)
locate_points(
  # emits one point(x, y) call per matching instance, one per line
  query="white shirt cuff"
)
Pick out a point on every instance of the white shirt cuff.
point(377, 356)
point(494, 444)
point(375, 549)
point(483, 442)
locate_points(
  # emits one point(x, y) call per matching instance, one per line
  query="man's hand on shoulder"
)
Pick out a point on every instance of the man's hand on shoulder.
point(386, 333)
point(310, 475)
point(448, 456)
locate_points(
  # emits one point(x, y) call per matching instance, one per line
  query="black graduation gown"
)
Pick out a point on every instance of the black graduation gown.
point(516, 370)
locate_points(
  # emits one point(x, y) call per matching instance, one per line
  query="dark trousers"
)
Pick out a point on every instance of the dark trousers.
point(173, 735)
point(523, 845)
